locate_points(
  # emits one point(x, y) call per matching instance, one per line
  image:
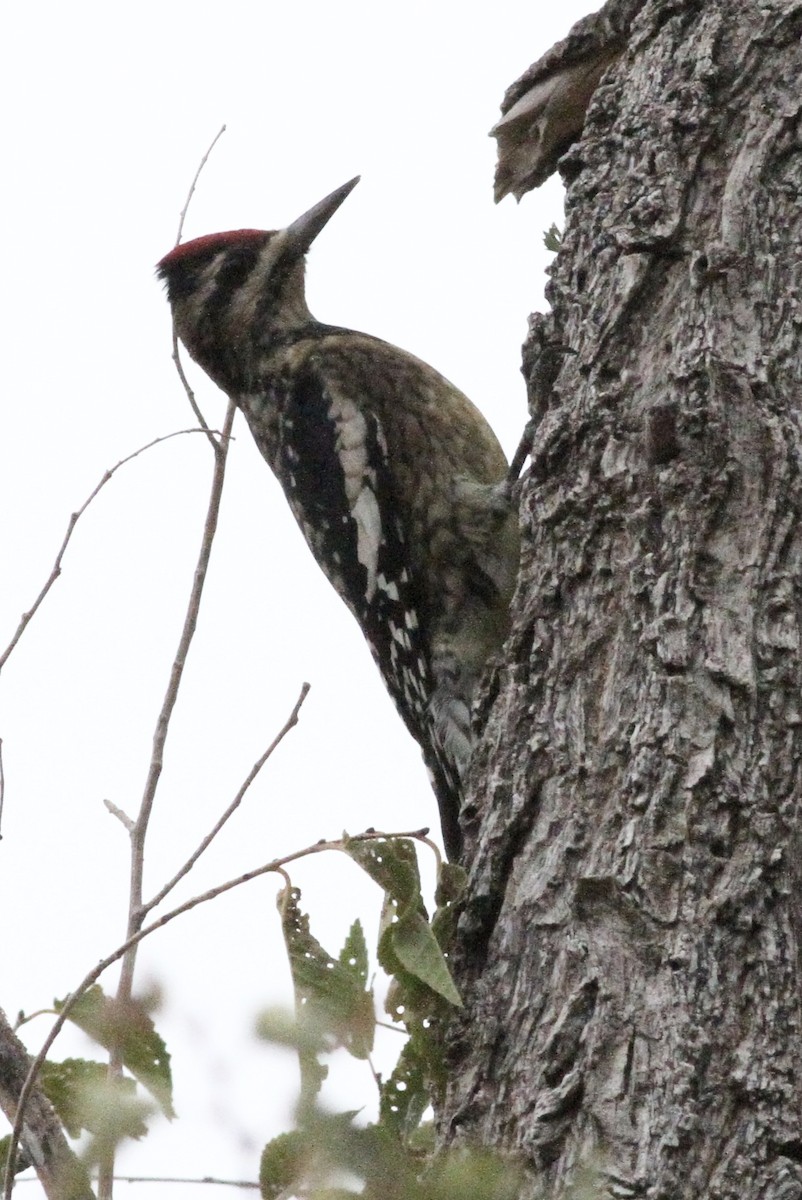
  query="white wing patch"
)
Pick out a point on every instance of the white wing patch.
point(368, 535)
point(389, 588)
point(360, 484)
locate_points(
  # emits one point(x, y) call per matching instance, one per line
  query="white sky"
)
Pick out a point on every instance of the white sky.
point(108, 112)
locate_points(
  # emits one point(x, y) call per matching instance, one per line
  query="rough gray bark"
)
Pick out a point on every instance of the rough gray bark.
point(543, 112)
point(629, 952)
point(44, 1146)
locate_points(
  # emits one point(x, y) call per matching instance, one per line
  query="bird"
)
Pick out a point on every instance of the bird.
point(397, 482)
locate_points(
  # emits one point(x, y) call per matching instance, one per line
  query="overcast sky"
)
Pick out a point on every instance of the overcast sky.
point(108, 112)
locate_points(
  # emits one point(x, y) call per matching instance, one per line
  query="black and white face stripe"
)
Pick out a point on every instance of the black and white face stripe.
point(243, 279)
point(233, 295)
point(191, 270)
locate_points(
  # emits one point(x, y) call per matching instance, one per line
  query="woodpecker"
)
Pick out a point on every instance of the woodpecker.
point(396, 480)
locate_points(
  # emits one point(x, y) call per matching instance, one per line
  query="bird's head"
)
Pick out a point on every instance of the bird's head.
point(234, 293)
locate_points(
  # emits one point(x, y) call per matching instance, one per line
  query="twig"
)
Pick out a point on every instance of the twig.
point(23, 1018)
point(2, 787)
point(194, 183)
point(137, 829)
point(179, 234)
point(221, 447)
point(73, 521)
point(422, 836)
point(177, 669)
point(291, 721)
point(276, 866)
point(285, 895)
point(136, 912)
point(391, 1028)
point(244, 1184)
point(121, 816)
point(179, 366)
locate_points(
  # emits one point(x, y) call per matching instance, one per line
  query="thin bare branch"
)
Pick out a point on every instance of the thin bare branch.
point(23, 1018)
point(176, 673)
point(422, 836)
point(2, 787)
point(194, 183)
point(276, 866)
point(392, 1028)
point(179, 366)
point(285, 876)
point(292, 720)
point(179, 234)
point(377, 1079)
point(244, 1184)
point(285, 896)
point(136, 912)
point(121, 816)
point(73, 521)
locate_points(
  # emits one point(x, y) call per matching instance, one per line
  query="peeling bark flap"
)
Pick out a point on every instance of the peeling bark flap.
point(543, 112)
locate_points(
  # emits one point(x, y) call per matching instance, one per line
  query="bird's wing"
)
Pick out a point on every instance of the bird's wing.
point(332, 463)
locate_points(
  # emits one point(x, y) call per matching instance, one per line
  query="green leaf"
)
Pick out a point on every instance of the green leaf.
point(305, 1037)
point(393, 864)
point(332, 1001)
point(451, 884)
point(281, 1027)
point(418, 950)
point(330, 994)
point(22, 1161)
point(282, 1163)
point(452, 879)
point(71, 1087)
point(334, 1194)
point(371, 1153)
point(129, 1030)
point(480, 1174)
point(552, 238)
point(408, 948)
point(87, 1098)
point(405, 1095)
point(354, 954)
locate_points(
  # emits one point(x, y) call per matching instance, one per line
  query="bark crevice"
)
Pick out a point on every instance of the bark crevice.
point(637, 791)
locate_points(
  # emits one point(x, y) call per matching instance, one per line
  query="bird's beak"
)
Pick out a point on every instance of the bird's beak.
point(305, 229)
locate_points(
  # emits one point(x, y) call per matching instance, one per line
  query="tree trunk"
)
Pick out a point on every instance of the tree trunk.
point(629, 947)
point(44, 1146)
